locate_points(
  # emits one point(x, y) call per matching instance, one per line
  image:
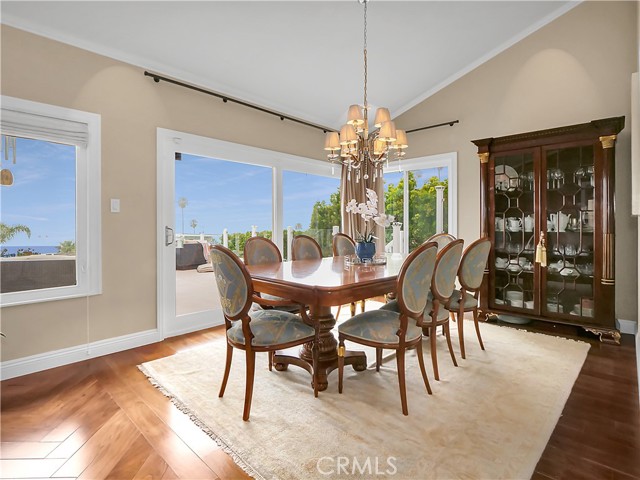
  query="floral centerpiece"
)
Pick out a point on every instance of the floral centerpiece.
point(365, 248)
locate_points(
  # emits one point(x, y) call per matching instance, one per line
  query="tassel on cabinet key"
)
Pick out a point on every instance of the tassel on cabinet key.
point(541, 251)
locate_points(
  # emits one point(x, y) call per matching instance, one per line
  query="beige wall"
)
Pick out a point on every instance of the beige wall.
point(574, 70)
point(132, 107)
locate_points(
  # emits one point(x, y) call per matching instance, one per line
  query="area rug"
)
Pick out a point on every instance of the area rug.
point(489, 418)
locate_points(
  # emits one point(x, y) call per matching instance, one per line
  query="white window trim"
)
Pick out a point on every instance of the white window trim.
point(175, 141)
point(88, 208)
point(449, 160)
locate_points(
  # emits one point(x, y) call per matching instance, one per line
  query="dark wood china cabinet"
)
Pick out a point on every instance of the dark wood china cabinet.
point(551, 191)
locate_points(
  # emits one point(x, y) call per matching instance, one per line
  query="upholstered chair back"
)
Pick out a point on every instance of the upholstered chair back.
point(304, 247)
point(343, 245)
point(414, 279)
point(446, 269)
point(442, 239)
point(233, 281)
point(473, 264)
point(260, 250)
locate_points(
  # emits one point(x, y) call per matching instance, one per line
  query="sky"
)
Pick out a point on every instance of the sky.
point(223, 194)
point(42, 196)
point(220, 194)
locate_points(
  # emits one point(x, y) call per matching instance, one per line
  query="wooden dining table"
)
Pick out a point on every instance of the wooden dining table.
point(322, 284)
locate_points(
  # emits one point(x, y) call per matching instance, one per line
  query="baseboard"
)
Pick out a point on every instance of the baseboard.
point(627, 326)
point(198, 321)
point(65, 356)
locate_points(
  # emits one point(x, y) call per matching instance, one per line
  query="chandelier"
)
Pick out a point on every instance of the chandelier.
point(362, 151)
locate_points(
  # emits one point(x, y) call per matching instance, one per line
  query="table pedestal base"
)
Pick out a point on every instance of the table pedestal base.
point(328, 355)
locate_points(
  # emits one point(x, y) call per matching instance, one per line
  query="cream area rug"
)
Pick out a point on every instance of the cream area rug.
point(490, 418)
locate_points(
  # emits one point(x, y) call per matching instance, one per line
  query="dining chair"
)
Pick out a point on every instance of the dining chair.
point(261, 250)
point(442, 287)
point(254, 331)
point(343, 245)
point(395, 330)
point(470, 274)
point(442, 239)
point(305, 247)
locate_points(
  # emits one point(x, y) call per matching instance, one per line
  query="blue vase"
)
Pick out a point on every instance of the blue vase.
point(365, 250)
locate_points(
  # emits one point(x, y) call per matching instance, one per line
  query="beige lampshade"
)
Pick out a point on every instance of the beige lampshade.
point(401, 140)
point(379, 147)
point(354, 117)
point(348, 135)
point(332, 141)
point(382, 115)
point(387, 132)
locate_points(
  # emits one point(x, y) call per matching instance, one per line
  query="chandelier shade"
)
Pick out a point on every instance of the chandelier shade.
point(359, 149)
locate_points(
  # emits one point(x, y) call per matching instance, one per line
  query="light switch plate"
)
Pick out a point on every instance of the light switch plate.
point(115, 205)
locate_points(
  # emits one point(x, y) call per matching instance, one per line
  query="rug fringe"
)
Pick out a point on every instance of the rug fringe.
point(238, 460)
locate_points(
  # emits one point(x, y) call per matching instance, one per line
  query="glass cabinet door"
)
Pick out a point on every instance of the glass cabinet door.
point(514, 225)
point(569, 222)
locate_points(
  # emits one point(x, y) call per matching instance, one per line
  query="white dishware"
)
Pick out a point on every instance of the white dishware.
point(587, 312)
point(514, 295)
point(563, 221)
point(501, 262)
point(516, 303)
point(554, 307)
point(514, 224)
point(528, 223)
point(514, 267)
point(528, 304)
point(499, 224)
point(522, 261)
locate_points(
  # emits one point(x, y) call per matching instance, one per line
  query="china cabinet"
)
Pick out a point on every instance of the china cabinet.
point(547, 204)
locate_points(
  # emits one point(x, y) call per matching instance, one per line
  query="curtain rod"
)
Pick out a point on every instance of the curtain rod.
point(225, 98)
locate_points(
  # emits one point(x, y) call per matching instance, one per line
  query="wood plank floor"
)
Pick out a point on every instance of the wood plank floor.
point(102, 419)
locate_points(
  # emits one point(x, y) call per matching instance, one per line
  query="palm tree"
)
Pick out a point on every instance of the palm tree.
point(194, 224)
point(67, 247)
point(7, 232)
point(182, 203)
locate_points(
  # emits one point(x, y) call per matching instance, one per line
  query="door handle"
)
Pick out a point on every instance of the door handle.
point(168, 236)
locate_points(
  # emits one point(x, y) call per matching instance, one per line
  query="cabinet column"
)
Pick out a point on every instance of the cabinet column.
point(608, 202)
point(484, 184)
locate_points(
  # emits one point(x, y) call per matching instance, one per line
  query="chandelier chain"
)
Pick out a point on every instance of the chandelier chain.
point(365, 57)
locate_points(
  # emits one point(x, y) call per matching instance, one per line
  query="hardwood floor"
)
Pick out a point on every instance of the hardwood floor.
point(102, 419)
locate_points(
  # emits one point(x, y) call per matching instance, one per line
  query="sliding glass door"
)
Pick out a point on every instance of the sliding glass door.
point(418, 194)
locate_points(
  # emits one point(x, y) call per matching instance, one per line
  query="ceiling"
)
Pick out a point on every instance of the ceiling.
point(301, 58)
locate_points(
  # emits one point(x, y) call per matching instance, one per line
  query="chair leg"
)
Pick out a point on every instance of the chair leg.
point(447, 334)
point(340, 363)
point(316, 359)
point(434, 355)
point(475, 320)
point(353, 309)
point(227, 368)
point(248, 394)
point(338, 312)
point(362, 306)
point(461, 332)
point(378, 358)
point(271, 354)
point(422, 369)
point(401, 380)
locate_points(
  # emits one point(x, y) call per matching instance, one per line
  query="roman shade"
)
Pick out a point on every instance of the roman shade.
point(32, 125)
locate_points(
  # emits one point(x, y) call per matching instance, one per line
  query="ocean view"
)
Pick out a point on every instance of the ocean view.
point(43, 249)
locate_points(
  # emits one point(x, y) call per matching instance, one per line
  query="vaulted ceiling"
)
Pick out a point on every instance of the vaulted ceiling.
point(301, 58)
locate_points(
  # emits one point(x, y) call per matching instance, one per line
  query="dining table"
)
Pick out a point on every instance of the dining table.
point(321, 284)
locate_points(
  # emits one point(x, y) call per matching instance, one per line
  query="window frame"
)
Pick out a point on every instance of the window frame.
point(448, 160)
point(88, 206)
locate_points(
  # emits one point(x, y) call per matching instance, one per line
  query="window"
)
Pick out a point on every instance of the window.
point(411, 193)
point(50, 225)
point(311, 207)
